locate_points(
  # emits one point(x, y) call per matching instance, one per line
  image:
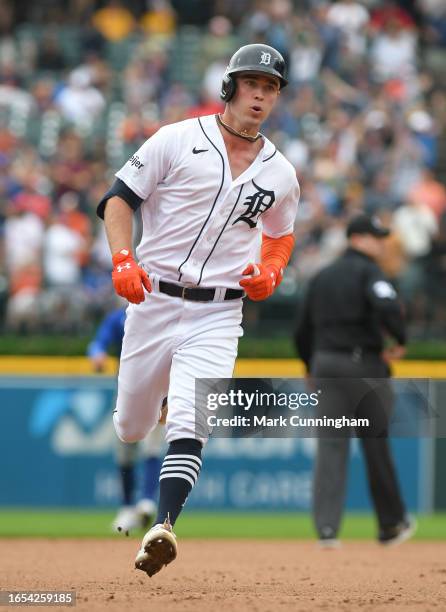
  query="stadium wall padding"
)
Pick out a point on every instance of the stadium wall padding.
point(57, 440)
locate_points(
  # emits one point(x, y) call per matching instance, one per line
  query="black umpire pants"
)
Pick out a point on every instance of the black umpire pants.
point(346, 393)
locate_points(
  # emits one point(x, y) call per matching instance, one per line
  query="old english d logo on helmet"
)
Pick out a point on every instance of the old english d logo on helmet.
point(253, 58)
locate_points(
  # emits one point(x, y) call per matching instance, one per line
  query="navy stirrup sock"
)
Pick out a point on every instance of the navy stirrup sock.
point(178, 475)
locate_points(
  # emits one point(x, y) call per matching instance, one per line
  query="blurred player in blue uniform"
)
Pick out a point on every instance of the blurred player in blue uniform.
point(108, 339)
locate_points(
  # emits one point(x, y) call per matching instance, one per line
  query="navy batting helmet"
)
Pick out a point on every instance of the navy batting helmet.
point(252, 58)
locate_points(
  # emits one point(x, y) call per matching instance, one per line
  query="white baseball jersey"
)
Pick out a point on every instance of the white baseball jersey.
point(201, 227)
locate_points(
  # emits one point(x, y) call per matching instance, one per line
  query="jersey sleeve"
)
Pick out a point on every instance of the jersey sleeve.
point(149, 165)
point(279, 221)
point(136, 180)
point(384, 300)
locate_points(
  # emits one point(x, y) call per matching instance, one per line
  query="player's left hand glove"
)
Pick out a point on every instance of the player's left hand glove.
point(262, 281)
point(128, 278)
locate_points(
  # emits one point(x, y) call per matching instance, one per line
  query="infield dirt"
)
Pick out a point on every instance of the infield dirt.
point(217, 575)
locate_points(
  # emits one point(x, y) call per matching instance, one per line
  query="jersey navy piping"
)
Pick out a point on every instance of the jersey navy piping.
point(221, 232)
point(270, 157)
point(213, 205)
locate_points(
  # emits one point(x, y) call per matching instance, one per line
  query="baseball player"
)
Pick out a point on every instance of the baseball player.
point(130, 516)
point(209, 189)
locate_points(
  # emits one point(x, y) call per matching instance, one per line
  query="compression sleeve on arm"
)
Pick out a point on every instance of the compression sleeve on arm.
point(120, 189)
point(276, 252)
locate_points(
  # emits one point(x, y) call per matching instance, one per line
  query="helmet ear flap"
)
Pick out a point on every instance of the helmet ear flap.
point(227, 87)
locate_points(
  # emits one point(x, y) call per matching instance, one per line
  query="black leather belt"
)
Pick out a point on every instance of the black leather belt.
point(356, 354)
point(197, 294)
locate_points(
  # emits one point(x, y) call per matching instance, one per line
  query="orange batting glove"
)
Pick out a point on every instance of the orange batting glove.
point(261, 282)
point(128, 278)
point(266, 276)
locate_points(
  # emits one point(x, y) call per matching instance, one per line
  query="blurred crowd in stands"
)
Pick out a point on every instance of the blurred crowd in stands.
point(83, 84)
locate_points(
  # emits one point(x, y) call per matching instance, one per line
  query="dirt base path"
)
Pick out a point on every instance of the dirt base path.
point(232, 575)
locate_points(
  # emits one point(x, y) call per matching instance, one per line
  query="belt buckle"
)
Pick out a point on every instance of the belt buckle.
point(183, 292)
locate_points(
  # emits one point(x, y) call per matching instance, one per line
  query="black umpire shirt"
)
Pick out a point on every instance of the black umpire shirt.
point(347, 308)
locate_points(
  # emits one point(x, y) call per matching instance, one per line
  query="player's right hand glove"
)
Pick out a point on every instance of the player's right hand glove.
point(265, 277)
point(128, 278)
point(261, 282)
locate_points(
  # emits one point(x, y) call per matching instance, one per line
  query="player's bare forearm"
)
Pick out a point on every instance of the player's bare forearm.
point(118, 219)
point(129, 280)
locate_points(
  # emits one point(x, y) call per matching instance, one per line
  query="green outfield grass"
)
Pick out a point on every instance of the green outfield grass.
point(82, 524)
point(251, 346)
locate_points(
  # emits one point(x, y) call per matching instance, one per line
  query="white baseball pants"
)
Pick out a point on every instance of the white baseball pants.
point(168, 342)
point(151, 446)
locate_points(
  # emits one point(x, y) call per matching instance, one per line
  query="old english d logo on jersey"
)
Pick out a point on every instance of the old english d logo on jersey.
point(256, 204)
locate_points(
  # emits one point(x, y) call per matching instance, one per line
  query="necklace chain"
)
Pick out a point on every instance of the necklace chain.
point(242, 134)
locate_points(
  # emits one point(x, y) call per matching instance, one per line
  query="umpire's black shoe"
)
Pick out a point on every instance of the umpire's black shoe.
point(399, 533)
point(329, 543)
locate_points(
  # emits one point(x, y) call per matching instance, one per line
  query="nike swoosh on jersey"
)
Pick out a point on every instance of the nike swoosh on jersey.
point(195, 150)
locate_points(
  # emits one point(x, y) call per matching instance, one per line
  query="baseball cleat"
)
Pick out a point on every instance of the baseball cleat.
point(329, 543)
point(146, 511)
point(158, 548)
point(398, 534)
point(126, 519)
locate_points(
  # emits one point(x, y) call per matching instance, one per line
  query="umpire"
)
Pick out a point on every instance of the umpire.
point(349, 309)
